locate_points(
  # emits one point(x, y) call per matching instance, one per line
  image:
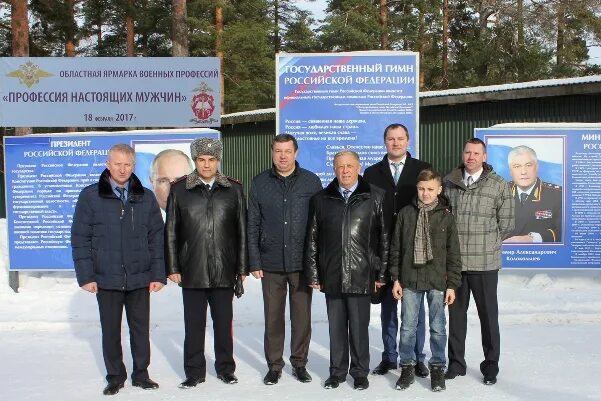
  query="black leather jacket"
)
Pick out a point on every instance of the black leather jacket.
point(346, 248)
point(205, 232)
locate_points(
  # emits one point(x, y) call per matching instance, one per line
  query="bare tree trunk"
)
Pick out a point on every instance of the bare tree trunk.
point(99, 23)
point(276, 27)
point(484, 12)
point(518, 45)
point(19, 23)
point(383, 24)
point(445, 44)
point(520, 24)
point(129, 29)
point(561, 25)
point(219, 51)
point(179, 40)
point(421, 47)
point(70, 42)
point(20, 28)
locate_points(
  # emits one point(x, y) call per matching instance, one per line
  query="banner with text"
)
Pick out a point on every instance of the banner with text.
point(109, 92)
point(337, 101)
point(553, 174)
point(44, 175)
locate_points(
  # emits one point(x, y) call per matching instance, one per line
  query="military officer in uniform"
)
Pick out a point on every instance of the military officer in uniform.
point(537, 203)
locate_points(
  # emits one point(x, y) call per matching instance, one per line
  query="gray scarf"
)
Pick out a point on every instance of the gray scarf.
point(422, 246)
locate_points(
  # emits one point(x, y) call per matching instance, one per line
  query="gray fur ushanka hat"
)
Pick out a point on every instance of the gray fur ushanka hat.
point(206, 146)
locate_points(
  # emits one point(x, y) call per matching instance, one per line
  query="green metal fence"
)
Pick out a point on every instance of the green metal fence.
point(246, 150)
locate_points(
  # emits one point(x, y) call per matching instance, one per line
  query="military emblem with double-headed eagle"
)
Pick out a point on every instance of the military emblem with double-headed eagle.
point(29, 74)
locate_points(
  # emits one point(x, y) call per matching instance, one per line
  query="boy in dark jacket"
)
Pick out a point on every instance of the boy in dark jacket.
point(425, 259)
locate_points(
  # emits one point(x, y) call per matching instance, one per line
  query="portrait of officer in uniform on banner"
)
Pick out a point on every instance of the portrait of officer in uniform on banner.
point(534, 167)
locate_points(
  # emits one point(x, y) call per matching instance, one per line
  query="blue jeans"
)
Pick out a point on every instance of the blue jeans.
point(438, 333)
point(390, 328)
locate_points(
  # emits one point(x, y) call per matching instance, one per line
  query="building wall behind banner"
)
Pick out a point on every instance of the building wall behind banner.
point(444, 129)
point(246, 150)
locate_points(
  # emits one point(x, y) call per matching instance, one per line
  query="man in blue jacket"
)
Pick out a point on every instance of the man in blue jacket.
point(117, 243)
point(277, 219)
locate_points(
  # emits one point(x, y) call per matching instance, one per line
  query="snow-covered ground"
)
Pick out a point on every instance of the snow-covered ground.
point(50, 345)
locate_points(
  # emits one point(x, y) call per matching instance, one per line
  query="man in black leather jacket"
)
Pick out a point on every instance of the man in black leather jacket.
point(346, 251)
point(205, 251)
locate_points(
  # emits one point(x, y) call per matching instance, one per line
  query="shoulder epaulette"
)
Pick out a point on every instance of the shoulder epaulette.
point(182, 178)
point(549, 185)
point(233, 179)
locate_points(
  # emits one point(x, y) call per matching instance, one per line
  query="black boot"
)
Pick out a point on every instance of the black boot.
point(421, 370)
point(383, 368)
point(407, 377)
point(437, 378)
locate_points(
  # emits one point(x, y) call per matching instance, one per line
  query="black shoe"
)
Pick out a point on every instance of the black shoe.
point(145, 384)
point(361, 383)
point(191, 382)
point(437, 379)
point(272, 377)
point(228, 378)
point(451, 374)
point(383, 368)
point(112, 388)
point(407, 377)
point(421, 370)
point(302, 375)
point(333, 382)
point(490, 380)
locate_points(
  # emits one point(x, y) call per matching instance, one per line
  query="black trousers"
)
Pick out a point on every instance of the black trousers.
point(195, 321)
point(275, 287)
point(348, 319)
point(137, 309)
point(483, 287)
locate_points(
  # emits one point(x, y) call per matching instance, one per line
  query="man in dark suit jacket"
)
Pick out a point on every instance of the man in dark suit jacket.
point(397, 175)
point(537, 203)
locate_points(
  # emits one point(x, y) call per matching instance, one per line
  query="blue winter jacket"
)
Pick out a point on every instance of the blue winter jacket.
point(118, 246)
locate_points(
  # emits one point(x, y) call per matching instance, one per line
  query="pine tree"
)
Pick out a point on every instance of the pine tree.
point(285, 15)
point(104, 27)
point(5, 30)
point(299, 37)
point(350, 25)
point(53, 27)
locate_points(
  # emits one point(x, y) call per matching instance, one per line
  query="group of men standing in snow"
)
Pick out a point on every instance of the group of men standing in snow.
point(295, 237)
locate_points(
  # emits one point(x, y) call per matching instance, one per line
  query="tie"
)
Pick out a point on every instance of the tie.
point(397, 171)
point(470, 181)
point(523, 197)
point(208, 186)
point(346, 193)
point(121, 194)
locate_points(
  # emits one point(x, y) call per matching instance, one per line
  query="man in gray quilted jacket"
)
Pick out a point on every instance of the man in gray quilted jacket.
point(277, 219)
point(484, 210)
